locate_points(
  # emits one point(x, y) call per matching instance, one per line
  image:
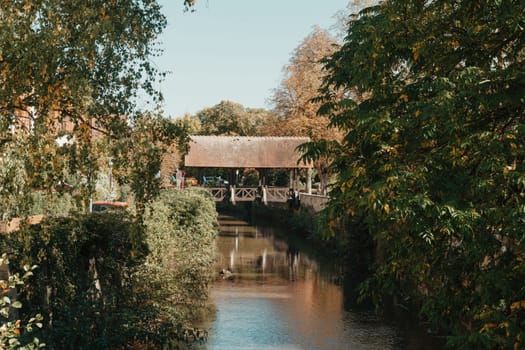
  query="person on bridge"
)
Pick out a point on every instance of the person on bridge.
point(227, 194)
point(296, 199)
point(182, 179)
point(259, 194)
point(178, 179)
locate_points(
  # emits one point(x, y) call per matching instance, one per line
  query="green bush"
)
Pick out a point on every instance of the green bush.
point(180, 231)
point(106, 281)
point(84, 281)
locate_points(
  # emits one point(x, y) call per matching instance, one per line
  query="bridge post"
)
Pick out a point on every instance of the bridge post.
point(232, 194)
point(309, 181)
point(264, 196)
point(296, 179)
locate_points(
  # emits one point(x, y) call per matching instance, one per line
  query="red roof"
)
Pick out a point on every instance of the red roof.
point(245, 152)
point(111, 203)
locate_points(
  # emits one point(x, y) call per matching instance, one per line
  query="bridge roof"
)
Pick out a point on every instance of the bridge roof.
point(245, 152)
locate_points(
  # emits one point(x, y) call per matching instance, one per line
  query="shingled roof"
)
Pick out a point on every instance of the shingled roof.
point(245, 152)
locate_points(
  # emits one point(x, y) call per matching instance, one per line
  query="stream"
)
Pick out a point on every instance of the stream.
point(273, 296)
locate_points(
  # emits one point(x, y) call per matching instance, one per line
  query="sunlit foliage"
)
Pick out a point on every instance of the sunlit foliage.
point(14, 334)
point(230, 118)
point(295, 99)
point(70, 74)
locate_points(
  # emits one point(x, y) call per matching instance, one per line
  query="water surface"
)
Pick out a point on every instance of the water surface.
point(280, 298)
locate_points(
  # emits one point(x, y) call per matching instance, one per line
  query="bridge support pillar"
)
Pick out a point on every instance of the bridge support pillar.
point(309, 180)
point(296, 181)
point(264, 196)
point(232, 194)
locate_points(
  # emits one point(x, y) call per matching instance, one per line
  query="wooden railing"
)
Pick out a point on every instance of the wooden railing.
point(277, 194)
point(218, 193)
point(245, 194)
point(249, 194)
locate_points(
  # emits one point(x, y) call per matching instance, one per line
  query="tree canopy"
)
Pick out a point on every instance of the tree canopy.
point(230, 118)
point(70, 70)
point(294, 100)
point(69, 59)
point(432, 161)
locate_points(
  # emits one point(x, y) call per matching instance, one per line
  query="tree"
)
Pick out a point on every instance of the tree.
point(432, 163)
point(229, 118)
point(295, 99)
point(140, 165)
point(189, 4)
point(190, 123)
point(69, 69)
point(62, 59)
point(71, 74)
point(303, 76)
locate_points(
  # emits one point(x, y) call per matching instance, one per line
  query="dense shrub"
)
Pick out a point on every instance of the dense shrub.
point(104, 281)
point(180, 227)
point(83, 281)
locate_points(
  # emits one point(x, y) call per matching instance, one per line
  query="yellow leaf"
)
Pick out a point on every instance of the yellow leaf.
point(487, 326)
point(404, 97)
point(517, 305)
point(415, 54)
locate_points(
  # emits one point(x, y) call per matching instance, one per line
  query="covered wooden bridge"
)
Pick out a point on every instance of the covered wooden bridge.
point(260, 153)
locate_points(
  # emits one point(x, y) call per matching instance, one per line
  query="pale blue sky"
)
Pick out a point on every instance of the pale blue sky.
point(233, 49)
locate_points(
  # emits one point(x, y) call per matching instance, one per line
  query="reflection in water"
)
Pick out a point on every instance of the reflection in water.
point(278, 298)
